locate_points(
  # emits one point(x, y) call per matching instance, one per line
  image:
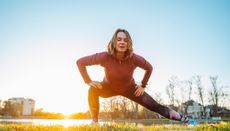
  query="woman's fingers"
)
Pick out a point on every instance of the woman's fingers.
point(96, 84)
point(139, 91)
point(136, 92)
point(99, 86)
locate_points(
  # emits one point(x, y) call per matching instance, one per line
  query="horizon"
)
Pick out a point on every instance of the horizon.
point(40, 42)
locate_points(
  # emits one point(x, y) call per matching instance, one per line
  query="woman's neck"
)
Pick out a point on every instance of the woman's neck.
point(120, 55)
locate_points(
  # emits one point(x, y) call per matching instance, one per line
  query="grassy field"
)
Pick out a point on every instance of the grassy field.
point(222, 126)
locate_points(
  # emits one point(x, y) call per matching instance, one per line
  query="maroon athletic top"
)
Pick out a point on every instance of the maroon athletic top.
point(118, 73)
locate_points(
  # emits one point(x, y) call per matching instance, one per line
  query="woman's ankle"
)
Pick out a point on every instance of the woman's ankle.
point(174, 115)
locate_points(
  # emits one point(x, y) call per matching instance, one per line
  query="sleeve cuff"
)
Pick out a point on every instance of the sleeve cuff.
point(143, 85)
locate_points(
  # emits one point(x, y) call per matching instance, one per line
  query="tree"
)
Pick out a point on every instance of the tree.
point(48, 115)
point(111, 105)
point(12, 109)
point(170, 90)
point(216, 94)
point(123, 104)
point(200, 89)
point(157, 97)
point(190, 89)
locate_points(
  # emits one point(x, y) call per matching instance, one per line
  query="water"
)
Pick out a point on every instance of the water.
point(64, 122)
point(77, 122)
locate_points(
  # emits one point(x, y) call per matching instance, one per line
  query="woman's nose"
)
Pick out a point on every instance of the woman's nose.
point(122, 41)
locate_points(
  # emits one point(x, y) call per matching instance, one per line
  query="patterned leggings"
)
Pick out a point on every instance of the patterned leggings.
point(145, 100)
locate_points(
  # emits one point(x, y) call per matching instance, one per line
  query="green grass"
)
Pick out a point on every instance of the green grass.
point(222, 126)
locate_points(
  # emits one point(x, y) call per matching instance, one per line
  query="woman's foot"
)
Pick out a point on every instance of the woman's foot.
point(174, 115)
point(93, 123)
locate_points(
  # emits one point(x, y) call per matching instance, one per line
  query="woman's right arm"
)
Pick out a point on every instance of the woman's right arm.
point(98, 58)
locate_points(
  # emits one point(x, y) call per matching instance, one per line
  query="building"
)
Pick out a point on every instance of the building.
point(221, 111)
point(24, 106)
point(193, 109)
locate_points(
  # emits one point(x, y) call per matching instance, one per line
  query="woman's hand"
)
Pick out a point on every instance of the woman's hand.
point(95, 84)
point(139, 90)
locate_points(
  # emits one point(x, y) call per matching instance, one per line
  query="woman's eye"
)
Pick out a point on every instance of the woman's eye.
point(120, 39)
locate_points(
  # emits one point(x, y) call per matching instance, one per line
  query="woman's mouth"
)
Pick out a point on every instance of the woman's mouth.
point(122, 47)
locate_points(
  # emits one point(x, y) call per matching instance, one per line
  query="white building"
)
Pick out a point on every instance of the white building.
point(27, 105)
point(193, 109)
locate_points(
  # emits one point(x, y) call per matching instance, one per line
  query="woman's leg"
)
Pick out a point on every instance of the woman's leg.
point(93, 99)
point(147, 101)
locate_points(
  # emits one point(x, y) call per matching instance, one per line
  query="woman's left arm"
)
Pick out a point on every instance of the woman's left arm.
point(144, 64)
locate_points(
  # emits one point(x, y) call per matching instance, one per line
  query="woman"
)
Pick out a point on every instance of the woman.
point(119, 63)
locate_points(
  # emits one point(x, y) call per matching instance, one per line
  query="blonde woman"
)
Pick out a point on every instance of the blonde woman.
point(119, 63)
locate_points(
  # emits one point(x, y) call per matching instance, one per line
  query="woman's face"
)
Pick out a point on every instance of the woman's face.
point(122, 42)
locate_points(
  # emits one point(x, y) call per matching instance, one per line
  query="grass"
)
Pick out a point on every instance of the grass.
point(221, 126)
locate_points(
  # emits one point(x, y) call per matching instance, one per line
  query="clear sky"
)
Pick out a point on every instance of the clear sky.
point(41, 40)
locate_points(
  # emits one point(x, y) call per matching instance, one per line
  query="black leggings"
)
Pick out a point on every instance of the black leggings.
point(145, 100)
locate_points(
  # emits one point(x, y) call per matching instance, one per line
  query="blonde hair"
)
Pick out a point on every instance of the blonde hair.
point(111, 46)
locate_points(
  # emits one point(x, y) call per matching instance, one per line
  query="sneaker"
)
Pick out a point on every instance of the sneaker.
point(184, 119)
point(188, 121)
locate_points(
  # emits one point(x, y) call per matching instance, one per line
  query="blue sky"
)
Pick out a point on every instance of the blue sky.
point(40, 42)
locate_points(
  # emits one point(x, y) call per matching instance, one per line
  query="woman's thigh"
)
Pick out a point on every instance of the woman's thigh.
point(105, 92)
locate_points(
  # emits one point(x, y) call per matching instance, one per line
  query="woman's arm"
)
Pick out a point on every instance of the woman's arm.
point(96, 59)
point(144, 64)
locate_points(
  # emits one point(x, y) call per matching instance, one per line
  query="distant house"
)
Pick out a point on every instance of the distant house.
point(221, 111)
point(26, 105)
point(208, 111)
point(192, 109)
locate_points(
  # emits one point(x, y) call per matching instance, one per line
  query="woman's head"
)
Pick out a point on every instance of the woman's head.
point(121, 42)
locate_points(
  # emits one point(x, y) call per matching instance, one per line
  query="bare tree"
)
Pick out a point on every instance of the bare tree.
point(170, 90)
point(157, 97)
point(124, 105)
point(181, 89)
point(216, 94)
point(190, 89)
point(111, 105)
point(200, 89)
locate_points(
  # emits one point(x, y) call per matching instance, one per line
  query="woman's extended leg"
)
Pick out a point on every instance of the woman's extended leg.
point(147, 101)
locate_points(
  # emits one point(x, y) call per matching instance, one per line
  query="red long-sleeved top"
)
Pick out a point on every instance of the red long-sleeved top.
point(118, 73)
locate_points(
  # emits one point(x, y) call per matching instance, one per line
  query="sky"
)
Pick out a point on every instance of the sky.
point(40, 42)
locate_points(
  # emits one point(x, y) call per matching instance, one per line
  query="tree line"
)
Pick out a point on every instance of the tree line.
point(10, 109)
